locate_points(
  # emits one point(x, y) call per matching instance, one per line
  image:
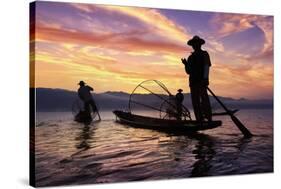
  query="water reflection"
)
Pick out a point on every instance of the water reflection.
point(209, 147)
point(83, 139)
point(176, 149)
point(106, 152)
point(242, 144)
point(204, 153)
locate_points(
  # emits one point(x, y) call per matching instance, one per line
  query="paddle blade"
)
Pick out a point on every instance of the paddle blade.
point(241, 127)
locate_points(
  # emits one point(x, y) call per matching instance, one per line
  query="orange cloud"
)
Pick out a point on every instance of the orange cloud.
point(72, 64)
point(242, 79)
point(120, 41)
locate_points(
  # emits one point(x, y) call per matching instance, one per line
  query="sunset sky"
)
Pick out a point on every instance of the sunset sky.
point(114, 48)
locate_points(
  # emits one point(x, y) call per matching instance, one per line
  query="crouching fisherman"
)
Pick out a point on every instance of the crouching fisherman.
point(179, 101)
point(84, 93)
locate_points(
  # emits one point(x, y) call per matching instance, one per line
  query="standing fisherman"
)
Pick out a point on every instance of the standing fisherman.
point(84, 93)
point(197, 67)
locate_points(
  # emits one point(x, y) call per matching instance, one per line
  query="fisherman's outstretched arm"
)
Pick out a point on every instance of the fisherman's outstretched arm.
point(90, 88)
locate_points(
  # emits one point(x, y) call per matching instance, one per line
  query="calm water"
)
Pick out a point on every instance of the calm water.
point(105, 152)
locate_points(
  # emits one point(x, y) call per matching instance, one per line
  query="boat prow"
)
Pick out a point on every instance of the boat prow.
point(166, 125)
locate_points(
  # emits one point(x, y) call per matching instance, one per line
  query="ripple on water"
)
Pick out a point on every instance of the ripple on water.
point(72, 153)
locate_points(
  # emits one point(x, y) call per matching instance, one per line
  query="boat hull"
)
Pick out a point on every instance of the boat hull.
point(83, 117)
point(186, 126)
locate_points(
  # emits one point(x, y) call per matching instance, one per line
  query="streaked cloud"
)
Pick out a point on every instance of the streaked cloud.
point(229, 24)
point(244, 80)
point(121, 41)
point(115, 48)
point(156, 21)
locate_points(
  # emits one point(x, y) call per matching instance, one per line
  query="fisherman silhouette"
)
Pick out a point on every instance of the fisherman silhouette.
point(179, 100)
point(197, 67)
point(84, 93)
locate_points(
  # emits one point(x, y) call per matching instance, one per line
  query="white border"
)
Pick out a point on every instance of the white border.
point(14, 75)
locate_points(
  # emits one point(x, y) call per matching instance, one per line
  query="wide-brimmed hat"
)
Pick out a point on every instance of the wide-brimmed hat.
point(180, 90)
point(195, 40)
point(81, 83)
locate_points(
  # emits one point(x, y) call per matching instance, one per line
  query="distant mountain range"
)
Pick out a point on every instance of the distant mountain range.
point(48, 99)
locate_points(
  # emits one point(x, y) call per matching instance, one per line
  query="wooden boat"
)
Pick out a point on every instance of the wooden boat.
point(165, 107)
point(83, 117)
point(185, 126)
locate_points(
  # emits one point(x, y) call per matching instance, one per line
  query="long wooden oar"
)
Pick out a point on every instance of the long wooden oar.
point(97, 110)
point(224, 113)
point(98, 115)
point(237, 122)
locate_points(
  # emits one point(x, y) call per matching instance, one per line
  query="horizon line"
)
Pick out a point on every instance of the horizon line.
point(241, 98)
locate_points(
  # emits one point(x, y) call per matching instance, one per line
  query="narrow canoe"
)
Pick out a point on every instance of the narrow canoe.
point(186, 126)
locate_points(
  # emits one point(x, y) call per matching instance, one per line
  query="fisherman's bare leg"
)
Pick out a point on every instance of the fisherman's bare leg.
point(206, 103)
point(195, 98)
point(87, 108)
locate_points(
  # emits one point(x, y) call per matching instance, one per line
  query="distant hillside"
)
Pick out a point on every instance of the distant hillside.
point(61, 100)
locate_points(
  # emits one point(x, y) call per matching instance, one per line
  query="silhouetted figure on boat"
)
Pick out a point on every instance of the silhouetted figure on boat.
point(197, 67)
point(171, 108)
point(84, 93)
point(179, 101)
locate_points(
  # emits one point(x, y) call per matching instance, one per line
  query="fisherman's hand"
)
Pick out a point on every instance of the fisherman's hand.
point(205, 82)
point(184, 61)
